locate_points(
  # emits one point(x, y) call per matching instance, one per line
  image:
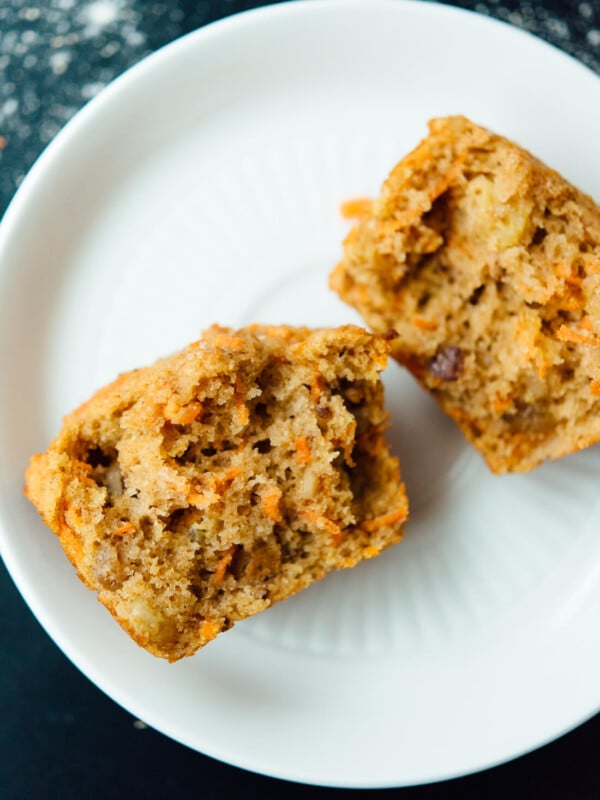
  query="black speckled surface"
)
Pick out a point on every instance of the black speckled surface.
point(59, 736)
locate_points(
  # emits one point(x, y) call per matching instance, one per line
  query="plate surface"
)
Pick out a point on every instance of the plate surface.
point(203, 186)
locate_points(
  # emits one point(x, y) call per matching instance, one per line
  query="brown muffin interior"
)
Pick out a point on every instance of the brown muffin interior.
point(487, 264)
point(202, 499)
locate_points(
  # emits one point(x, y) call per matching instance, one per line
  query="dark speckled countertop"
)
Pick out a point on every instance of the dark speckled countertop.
point(59, 736)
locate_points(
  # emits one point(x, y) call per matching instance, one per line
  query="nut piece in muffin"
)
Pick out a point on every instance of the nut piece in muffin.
point(487, 264)
point(201, 490)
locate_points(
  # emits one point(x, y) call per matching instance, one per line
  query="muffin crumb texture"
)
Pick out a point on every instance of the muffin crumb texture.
point(203, 489)
point(487, 265)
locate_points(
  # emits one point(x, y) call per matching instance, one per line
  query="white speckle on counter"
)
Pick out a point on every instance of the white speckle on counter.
point(593, 37)
point(9, 107)
point(30, 14)
point(30, 103)
point(101, 12)
point(585, 10)
point(8, 41)
point(62, 27)
point(132, 36)
point(110, 49)
point(62, 112)
point(29, 37)
point(89, 90)
point(558, 27)
point(48, 130)
point(59, 61)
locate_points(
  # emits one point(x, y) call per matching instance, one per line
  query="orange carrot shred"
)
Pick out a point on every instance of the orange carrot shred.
point(595, 388)
point(241, 407)
point(235, 343)
point(303, 454)
point(500, 403)
point(224, 563)
point(566, 334)
point(126, 527)
point(210, 628)
point(424, 324)
point(270, 504)
point(371, 525)
point(336, 533)
point(357, 207)
point(182, 415)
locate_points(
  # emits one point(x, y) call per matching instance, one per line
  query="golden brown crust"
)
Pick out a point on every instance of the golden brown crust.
point(200, 490)
point(487, 264)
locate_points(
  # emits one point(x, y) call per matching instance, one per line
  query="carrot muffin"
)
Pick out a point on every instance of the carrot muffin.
point(487, 264)
point(203, 489)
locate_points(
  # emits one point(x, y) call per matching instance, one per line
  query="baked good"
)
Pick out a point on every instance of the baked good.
point(487, 264)
point(199, 491)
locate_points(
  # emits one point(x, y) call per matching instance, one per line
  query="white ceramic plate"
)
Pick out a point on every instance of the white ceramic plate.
point(204, 186)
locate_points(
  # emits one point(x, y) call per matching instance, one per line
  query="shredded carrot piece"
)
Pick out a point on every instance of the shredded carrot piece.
point(371, 552)
point(235, 343)
point(566, 334)
point(210, 628)
point(543, 369)
point(380, 360)
point(500, 403)
point(126, 527)
point(357, 207)
point(363, 292)
point(232, 472)
point(563, 271)
point(595, 388)
point(221, 482)
point(182, 415)
point(587, 324)
point(424, 324)
point(208, 492)
point(336, 533)
point(3, 142)
point(224, 563)
point(303, 454)
point(241, 407)
point(270, 504)
point(371, 525)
